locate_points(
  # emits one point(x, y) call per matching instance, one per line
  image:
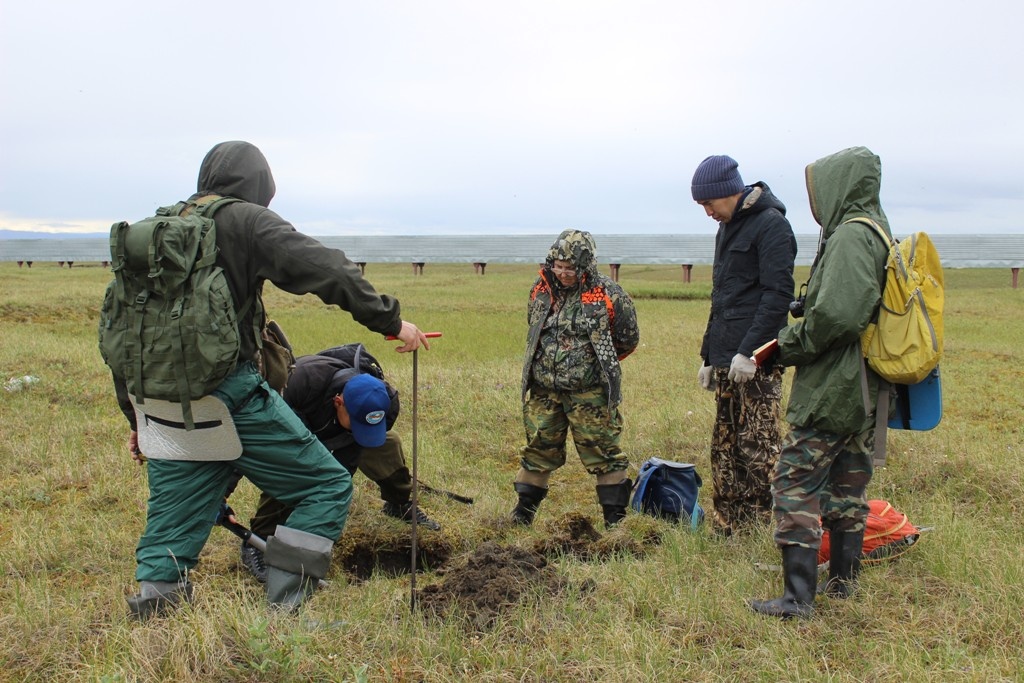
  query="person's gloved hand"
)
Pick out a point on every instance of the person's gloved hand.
point(706, 377)
point(742, 368)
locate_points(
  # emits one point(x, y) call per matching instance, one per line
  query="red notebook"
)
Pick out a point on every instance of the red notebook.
point(762, 352)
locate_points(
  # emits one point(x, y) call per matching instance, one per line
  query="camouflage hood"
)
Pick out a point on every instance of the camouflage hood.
point(578, 248)
point(237, 169)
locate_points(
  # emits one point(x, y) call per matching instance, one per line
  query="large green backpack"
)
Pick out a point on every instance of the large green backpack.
point(169, 327)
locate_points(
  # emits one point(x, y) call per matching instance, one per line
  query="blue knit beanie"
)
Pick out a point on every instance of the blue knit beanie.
point(716, 177)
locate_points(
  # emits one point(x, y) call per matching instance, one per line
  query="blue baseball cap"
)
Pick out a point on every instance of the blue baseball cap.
point(367, 403)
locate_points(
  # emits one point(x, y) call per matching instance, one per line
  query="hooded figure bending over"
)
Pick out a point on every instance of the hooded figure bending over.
point(581, 324)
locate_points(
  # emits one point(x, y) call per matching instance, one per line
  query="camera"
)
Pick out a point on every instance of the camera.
point(796, 307)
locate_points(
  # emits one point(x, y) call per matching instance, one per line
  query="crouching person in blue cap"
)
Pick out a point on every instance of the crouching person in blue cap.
point(351, 412)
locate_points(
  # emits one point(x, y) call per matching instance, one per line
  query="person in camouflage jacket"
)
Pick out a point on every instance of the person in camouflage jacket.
point(581, 324)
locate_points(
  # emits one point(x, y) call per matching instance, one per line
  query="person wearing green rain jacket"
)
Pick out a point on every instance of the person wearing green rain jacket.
point(825, 464)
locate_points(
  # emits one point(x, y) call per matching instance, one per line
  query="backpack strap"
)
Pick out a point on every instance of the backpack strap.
point(207, 206)
point(882, 404)
point(357, 361)
point(889, 241)
point(881, 423)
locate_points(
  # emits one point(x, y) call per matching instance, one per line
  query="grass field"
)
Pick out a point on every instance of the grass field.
point(73, 506)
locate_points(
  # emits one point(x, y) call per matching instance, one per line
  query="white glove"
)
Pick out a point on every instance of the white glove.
point(742, 368)
point(706, 377)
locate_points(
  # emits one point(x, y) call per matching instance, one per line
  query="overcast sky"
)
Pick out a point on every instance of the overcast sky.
point(425, 116)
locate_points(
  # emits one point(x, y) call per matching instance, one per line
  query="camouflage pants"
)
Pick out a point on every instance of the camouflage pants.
point(821, 476)
point(745, 446)
point(548, 415)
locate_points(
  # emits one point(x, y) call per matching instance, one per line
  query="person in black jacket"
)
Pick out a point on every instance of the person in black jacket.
point(752, 286)
point(352, 413)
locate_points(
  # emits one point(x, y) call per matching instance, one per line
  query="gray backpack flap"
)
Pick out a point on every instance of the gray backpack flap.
point(168, 327)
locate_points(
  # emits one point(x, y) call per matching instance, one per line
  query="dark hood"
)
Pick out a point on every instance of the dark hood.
point(845, 185)
point(237, 169)
point(757, 198)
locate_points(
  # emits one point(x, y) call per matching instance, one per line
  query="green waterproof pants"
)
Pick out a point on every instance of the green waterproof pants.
point(280, 456)
point(378, 464)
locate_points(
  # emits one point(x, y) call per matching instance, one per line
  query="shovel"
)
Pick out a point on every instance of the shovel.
point(224, 518)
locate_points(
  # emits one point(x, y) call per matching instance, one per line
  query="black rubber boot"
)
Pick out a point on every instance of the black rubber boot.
point(614, 499)
point(530, 497)
point(843, 564)
point(800, 575)
point(296, 561)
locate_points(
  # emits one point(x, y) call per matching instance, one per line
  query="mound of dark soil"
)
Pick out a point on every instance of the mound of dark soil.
point(491, 579)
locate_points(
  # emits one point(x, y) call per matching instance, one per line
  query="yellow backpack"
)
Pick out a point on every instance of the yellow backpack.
point(905, 343)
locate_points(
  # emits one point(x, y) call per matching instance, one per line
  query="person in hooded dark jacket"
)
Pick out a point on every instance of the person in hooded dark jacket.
point(352, 413)
point(582, 324)
point(826, 461)
point(279, 453)
point(752, 287)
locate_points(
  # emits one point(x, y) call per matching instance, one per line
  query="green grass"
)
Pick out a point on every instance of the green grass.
point(73, 506)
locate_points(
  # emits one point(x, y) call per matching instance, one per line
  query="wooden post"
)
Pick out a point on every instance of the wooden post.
point(615, 271)
point(687, 267)
point(1015, 272)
